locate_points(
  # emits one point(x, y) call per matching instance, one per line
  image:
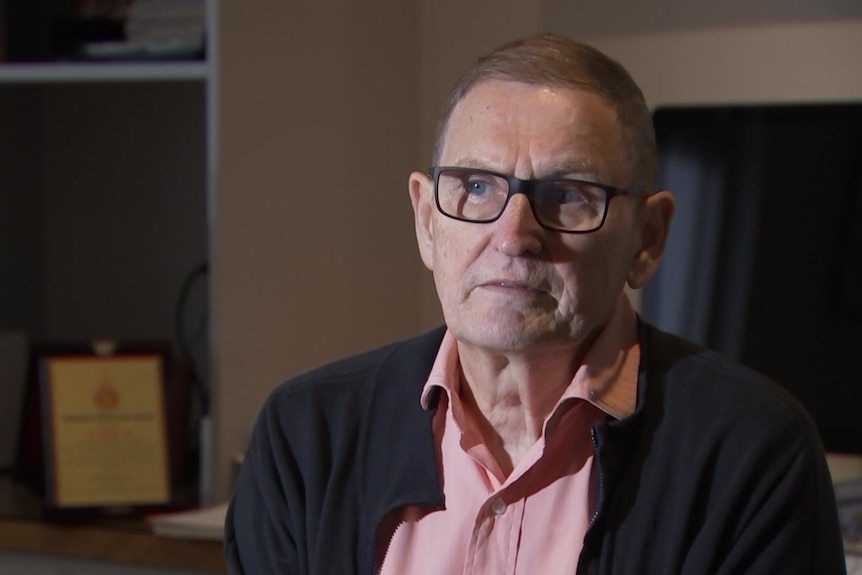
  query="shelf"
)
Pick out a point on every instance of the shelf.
point(129, 540)
point(49, 73)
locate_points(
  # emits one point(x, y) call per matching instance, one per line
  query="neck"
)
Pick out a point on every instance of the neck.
point(511, 395)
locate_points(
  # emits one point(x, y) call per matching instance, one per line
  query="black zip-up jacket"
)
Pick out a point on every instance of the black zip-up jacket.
point(718, 471)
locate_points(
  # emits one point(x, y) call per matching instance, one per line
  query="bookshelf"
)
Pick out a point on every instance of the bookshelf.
point(106, 176)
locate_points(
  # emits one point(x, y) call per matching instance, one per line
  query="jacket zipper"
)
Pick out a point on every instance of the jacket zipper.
point(600, 493)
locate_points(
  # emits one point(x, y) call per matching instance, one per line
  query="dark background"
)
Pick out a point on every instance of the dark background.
point(768, 269)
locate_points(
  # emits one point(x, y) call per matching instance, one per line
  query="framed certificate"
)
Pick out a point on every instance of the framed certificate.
point(101, 427)
point(107, 437)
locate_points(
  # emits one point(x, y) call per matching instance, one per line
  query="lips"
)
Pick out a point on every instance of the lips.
point(514, 284)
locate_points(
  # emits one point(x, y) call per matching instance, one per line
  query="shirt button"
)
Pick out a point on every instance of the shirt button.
point(498, 506)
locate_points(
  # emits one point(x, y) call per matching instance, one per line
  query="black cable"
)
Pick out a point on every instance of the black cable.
point(183, 345)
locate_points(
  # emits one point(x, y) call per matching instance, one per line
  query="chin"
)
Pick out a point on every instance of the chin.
point(502, 335)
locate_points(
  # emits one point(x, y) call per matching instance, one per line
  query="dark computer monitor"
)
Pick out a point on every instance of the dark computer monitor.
point(764, 261)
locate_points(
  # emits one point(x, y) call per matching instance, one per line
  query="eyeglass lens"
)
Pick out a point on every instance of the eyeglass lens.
point(562, 204)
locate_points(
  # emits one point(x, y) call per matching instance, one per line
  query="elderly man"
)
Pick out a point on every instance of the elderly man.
point(545, 429)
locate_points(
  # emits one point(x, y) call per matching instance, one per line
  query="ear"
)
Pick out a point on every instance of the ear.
point(654, 229)
point(421, 188)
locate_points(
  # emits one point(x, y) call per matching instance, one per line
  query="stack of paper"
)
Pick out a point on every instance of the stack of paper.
point(204, 523)
point(158, 29)
point(166, 24)
point(848, 493)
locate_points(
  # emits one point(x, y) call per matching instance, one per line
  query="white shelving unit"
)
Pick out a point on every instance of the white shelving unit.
point(106, 183)
point(11, 73)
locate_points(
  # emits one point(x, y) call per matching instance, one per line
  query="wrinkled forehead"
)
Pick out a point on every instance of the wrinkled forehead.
point(508, 125)
point(488, 93)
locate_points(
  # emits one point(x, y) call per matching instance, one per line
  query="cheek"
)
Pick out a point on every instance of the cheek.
point(578, 285)
point(593, 278)
point(451, 261)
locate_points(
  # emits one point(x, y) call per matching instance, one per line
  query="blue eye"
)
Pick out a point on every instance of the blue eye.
point(478, 187)
point(563, 195)
point(571, 193)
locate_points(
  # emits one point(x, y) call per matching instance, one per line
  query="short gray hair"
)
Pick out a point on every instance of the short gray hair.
point(557, 61)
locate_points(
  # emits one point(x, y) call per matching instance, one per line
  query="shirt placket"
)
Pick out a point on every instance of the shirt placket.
point(494, 541)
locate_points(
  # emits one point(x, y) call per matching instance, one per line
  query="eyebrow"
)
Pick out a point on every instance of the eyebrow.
point(560, 169)
point(469, 163)
point(575, 165)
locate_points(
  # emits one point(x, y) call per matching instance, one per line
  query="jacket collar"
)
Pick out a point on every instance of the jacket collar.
point(400, 465)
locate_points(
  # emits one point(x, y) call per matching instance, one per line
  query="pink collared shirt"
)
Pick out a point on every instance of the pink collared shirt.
point(534, 520)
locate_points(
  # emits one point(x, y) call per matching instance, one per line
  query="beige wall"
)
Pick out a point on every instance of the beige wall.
point(311, 96)
point(312, 247)
point(783, 62)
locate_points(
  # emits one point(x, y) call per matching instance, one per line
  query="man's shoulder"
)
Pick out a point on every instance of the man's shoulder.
point(697, 379)
point(407, 360)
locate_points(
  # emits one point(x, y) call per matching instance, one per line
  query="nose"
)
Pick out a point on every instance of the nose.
point(517, 231)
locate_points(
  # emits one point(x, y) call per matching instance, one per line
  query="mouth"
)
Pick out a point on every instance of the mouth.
point(508, 284)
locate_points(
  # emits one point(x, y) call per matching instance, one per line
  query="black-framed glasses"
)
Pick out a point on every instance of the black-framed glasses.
point(560, 204)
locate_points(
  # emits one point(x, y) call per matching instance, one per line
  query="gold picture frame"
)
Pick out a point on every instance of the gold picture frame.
point(100, 431)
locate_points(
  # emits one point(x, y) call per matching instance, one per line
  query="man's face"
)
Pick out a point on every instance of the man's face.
point(511, 285)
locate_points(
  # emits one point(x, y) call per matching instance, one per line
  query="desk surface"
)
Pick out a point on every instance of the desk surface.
point(123, 541)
